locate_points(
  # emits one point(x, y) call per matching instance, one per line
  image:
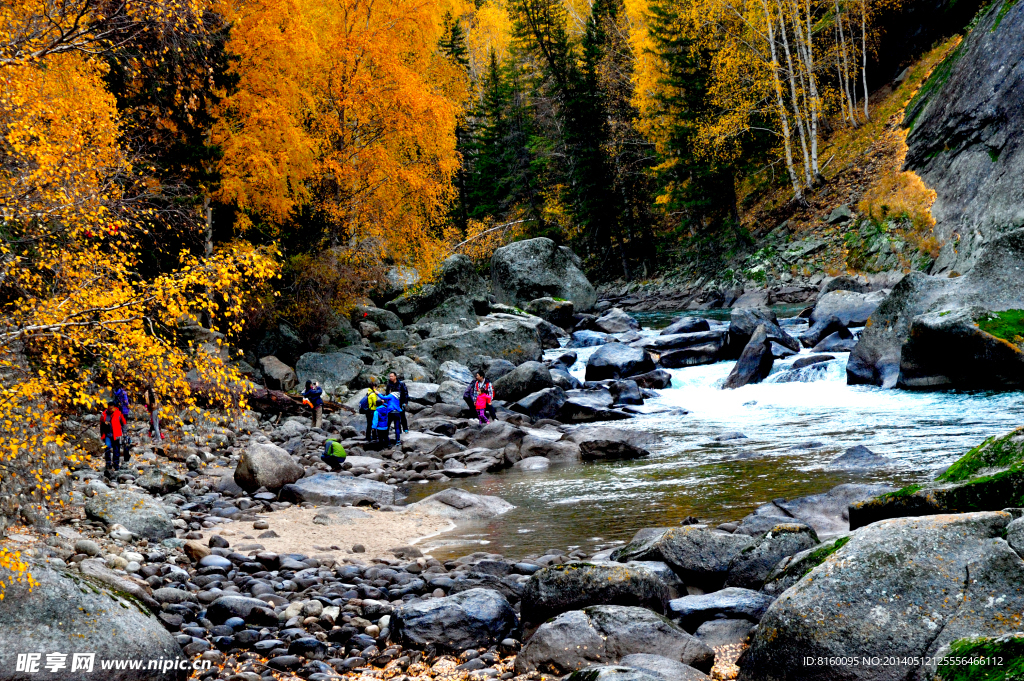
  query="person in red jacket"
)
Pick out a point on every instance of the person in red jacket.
point(112, 427)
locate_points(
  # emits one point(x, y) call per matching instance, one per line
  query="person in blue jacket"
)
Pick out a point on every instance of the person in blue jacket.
point(381, 424)
point(314, 395)
point(394, 415)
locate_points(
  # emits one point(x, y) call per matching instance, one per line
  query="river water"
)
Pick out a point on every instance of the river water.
point(794, 428)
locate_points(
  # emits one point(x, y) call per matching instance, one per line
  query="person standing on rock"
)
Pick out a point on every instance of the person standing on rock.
point(473, 391)
point(396, 386)
point(381, 423)
point(314, 393)
point(125, 406)
point(334, 455)
point(368, 406)
point(153, 407)
point(395, 416)
point(112, 426)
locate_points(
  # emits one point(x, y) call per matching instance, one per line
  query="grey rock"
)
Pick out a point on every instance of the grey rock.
point(527, 378)
point(329, 489)
point(615, 320)
point(557, 589)
point(754, 363)
point(707, 353)
point(589, 339)
point(663, 667)
point(902, 589)
point(455, 371)
point(458, 310)
point(848, 307)
point(686, 325)
point(385, 320)
point(139, 513)
point(458, 504)
point(265, 465)
point(470, 619)
point(716, 633)
point(610, 450)
point(731, 602)
point(616, 360)
point(543, 404)
point(860, 457)
point(744, 322)
point(277, 375)
point(226, 607)
point(333, 370)
point(827, 513)
point(840, 341)
point(536, 268)
point(161, 481)
point(558, 312)
point(60, 614)
point(698, 554)
point(751, 567)
point(605, 634)
point(424, 393)
point(508, 338)
point(605, 672)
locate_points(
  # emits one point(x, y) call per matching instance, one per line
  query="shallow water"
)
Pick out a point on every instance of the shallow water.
point(594, 506)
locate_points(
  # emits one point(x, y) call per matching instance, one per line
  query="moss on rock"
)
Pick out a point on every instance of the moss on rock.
point(997, 659)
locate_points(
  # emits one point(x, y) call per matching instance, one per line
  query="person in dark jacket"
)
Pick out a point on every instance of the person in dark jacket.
point(124, 405)
point(314, 394)
point(396, 386)
point(473, 391)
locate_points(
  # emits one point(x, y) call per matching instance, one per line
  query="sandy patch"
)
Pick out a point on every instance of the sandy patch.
point(378, 531)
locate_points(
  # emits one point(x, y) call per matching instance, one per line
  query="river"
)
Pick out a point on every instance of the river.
point(794, 429)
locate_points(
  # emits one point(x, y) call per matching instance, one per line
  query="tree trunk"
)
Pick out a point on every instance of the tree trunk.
point(864, 52)
point(797, 113)
point(846, 64)
point(798, 193)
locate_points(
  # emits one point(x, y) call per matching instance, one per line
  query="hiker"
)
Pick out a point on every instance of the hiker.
point(397, 386)
point(480, 386)
point(124, 405)
point(153, 406)
point(313, 395)
point(334, 455)
point(368, 406)
point(395, 415)
point(112, 426)
point(381, 424)
point(483, 400)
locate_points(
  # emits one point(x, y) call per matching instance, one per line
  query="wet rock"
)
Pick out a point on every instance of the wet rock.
point(744, 322)
point(751, 567)
point(860, 457)
point(615, 321)
point(543, 404)
point(686, 325)
point(616, 360)
point(471, 619)
point(605, 634)
point(536, 268)
point(730, 603)
point(827, 512)
point(811, 361)
point(560, 588)
point(840, 341)
point(458, 504)
point(664, 667)
point(610, 450)
point(139, 513)
point(987, 478)
point(60, 614)
point(698, 554)
point(708, 353)
point(754, 363)
point(590, 339)
point(822, 329)
point(946, 570)
point(658, 379)
point(329, 489)
point(266, 465)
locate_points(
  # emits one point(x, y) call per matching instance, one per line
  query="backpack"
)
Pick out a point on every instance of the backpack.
point(106, 429)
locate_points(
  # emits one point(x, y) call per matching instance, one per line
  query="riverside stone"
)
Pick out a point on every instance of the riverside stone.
point(471, 619)
point(266, 465)
point(560, 588)
point(139, 513)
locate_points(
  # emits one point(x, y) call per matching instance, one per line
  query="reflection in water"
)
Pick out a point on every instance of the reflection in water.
point(793, 429)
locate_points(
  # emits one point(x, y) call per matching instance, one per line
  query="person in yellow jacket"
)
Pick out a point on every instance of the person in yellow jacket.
point(368, 405)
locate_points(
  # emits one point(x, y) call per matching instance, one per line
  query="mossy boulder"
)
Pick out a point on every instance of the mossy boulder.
point(990, 477)
point(999, 658)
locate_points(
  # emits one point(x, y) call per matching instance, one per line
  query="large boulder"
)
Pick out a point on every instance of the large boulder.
point(699, 555)
point(940, 332)
point(457, 504)
point(615, 320)
point(686, 325)
point(744, 322)
point(161, 481)
point(901, 590)
point(990, 477)
point(754, 564)
point(707, 353)
point(543, 404)
point(83, 618)
point(458, 277)
point(678, 341)
point(663, 668)
point(611, 450)
point(263, 464)
point(329, 489)
point(527, 378)
point(849, 308)
point(458, 310)
point(277, 375)
point(140, 514)
point(605, 634)
point(616, 360)
point(754, 363)
point(728, 603)
point(471, 619)
point(539, 268)
point(557, 589)
point(385, 320)
point(827, 513)
point(515, 340)
point(558, 312)
point(334, 370)
point(966, 138)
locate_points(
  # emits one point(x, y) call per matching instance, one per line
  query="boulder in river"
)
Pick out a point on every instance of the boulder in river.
point(744, 322)
point(263, 464)
point(755, 362)
point(827, 513)
point(536, 268)
point(605, 634)
point(860, 457)
point(543, 404)
point(847, 307)
point(615, 321)
point(611, 450)
point(840, 341)
point(458, 504)
point(659, 379)
point(525, 379)
point(900, 590)
point(708, 353)
point(686, 325)
point(699, 555)
point(616, 360)
point(560, 588)
point(589, 339)
point(76, 615)
point(330, 489)
point(140, 514)
point(471, 619)
point(987, 478)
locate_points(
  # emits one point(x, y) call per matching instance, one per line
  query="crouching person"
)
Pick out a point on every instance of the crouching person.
point(334, 455)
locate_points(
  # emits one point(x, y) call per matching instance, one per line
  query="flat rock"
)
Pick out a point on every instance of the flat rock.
point(328, 489)
point(139, 513)
point(458, 504)
point(731, 602)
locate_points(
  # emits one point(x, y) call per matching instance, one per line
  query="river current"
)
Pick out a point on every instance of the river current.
point(794, 423)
